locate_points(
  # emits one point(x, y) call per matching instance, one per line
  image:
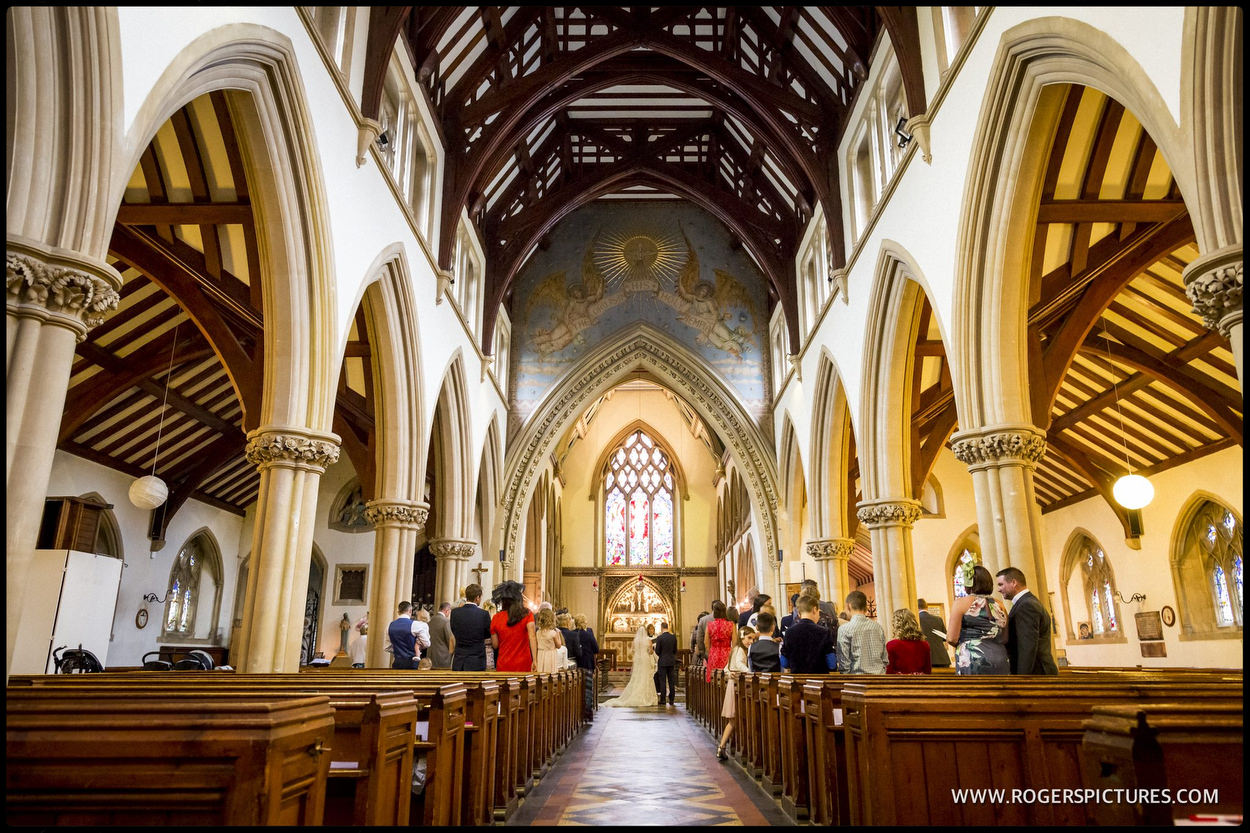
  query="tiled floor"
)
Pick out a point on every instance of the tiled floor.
point(646, 767)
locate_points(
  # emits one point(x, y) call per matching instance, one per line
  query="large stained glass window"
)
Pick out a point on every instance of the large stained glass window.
point(1100, 589)
point(184, 582)
point(1220, 542)
point(638, 488)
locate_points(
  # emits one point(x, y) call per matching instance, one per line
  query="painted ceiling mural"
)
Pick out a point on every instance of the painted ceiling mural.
point(613, 264)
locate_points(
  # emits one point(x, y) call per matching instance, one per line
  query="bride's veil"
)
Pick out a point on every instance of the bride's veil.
point(641, 641)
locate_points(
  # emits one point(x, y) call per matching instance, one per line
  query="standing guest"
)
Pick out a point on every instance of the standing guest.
point(978, 627)
point(765, 652)
point(738, 664)
point(808, 648)
point(694, 633)
point(512, 633)
point(934, 630)
point(908, 651)
point(470, 631)
point(720, 638)
point(359, 651)
point(403, 638)
point(861, 641)
point(442, 643)
point(791, 617)
point(586, 662)
point(768, 608)
point(828, 618)
point(421, 627)
point(572, 639)
point(1028, 626)
point(700, 650)
point(756, 603)
point(549, 641)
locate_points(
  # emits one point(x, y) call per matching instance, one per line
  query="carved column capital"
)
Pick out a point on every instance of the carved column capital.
point(62, 290)
point(452, 549)
point(1213, 284)
point(889, 512)
point(291, 448)
point(835, 549)
point(400, 513)
point(1019, 443)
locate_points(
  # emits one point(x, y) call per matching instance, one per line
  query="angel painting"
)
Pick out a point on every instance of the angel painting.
point(706, 308)
point(575, 308)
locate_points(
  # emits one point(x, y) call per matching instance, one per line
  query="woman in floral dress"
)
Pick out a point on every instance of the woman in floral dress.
point(978, 627)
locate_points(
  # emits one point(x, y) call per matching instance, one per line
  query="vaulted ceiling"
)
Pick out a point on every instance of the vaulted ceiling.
point(544, 108)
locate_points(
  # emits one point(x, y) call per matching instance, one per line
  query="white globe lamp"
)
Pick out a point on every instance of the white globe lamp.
point(148, 492)
point(1132, 491)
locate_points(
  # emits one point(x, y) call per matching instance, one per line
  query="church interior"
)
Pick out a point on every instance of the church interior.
point(316, 310)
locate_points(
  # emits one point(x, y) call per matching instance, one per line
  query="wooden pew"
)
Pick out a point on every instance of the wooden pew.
point(922, 741)
point(1191, 747)
point(168, 759)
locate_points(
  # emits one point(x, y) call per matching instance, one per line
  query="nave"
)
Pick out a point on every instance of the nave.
point(646, 767)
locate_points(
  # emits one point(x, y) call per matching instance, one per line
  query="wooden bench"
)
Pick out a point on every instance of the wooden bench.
point(170, 759)
point(1191, 750)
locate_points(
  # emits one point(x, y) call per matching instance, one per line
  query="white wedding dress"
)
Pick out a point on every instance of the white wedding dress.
point(640, 691)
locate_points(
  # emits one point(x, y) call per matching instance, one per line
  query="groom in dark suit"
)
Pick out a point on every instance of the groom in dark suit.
point(1028, 626)
point(666, 665)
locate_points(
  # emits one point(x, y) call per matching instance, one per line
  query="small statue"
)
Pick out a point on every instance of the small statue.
point(345, 627)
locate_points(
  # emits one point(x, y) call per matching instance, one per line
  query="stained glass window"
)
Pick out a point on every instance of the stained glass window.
point(184, 581)
point(1219, 536)
point(1095, 609)
point(1099, 585)
point(967, 556)
point(638, 487)
point(1223, 607)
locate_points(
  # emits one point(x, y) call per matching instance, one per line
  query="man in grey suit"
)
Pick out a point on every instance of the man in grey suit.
point(1028, 626)
point(929, 626)
point(442, 643)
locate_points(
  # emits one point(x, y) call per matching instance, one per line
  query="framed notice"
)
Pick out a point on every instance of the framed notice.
point(350, 583)
point(1149, 626)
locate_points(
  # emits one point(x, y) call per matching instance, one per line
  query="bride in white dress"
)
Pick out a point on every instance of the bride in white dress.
point(640, 690)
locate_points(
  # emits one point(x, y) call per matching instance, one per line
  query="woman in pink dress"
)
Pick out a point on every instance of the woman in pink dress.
point(720, 637)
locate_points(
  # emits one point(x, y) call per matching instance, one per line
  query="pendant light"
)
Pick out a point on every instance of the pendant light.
point(149, 491)
point(1132, 491)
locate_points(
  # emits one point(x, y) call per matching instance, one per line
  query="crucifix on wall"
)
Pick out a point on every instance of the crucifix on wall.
point(477, 573)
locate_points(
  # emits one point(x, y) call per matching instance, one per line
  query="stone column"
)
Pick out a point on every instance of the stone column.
point(889, 523)
point(1213, 284)
point(53, 301)
point(395, 526)
point(833, 555)
point(452, 557)
point(1009, 521)
point(291, 462)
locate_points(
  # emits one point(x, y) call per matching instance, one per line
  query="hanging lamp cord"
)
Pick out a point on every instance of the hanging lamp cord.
point(168, 378)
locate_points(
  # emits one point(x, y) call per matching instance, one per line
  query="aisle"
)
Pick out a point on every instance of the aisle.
point(646, 767)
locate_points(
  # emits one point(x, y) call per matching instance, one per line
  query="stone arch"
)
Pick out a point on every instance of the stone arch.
point(108, 539)
point(396, 349)
point(794, 496)
point(211, 552)
point(999, 206)
point(1194, 607)
point(257, 67)
point(833, 438)
point(893, 317)
point(63, 59)
point(681, 480)
point(489, 474)
point(972, 536)
point(641, 347)
point(450, 453)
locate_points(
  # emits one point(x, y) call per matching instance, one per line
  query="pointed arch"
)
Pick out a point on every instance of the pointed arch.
point(794, 495)
point(894, 311)
point(634, 485)
point(451, 455)
point(257, 68)
point(999, 206)
point(834, 464)
point(620, 437)
point(968, 541)
point(1085, 560)
point(192, 604)
point(641, 348)
point(1195, 554)
point(489, 475)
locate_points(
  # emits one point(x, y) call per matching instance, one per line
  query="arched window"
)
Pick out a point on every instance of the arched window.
point(194, 592)
point(1207, 571)
point(1099, 616)
point(638, 505)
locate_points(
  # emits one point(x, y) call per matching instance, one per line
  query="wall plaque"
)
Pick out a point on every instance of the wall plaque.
point(1149, 626)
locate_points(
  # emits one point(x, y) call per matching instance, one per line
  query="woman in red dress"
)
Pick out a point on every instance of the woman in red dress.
point(720, 638)
point(512, 632)
point(908, 652)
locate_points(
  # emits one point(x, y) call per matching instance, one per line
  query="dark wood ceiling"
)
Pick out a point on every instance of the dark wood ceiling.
point(544, 108)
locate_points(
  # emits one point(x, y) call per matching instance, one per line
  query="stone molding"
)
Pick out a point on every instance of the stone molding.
point(991, 445)
point(452, 549)
point(681, 572)
point(889, 513)
point(678, 370)
point(70, 293)
point(396, 513)
point(284, 447)
point(1213, 284)
point(836, 549)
